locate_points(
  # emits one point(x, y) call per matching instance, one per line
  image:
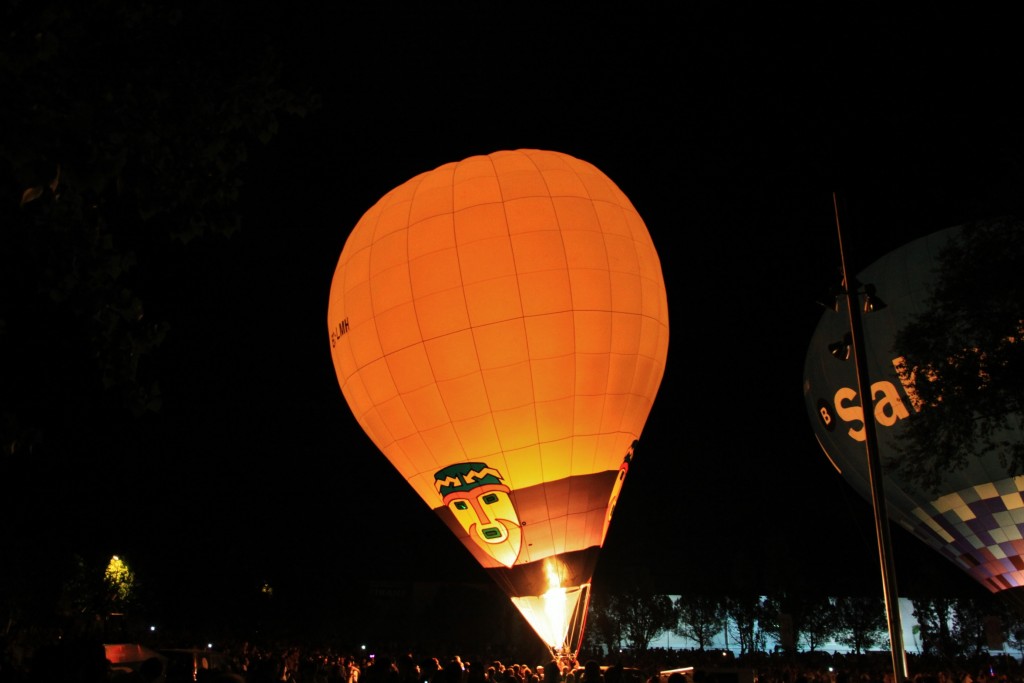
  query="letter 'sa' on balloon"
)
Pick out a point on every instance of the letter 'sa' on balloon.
point(499, 328)
point(972, 514)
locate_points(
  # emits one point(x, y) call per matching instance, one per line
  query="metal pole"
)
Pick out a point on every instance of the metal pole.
point(892, 604)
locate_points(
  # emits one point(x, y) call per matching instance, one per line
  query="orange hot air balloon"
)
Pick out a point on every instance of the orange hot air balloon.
point(499, 328)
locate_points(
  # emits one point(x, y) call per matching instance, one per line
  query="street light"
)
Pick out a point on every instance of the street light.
point(853, 343)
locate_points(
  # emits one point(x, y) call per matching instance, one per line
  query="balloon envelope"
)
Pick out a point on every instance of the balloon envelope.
point(499, 329)
point(976, 518)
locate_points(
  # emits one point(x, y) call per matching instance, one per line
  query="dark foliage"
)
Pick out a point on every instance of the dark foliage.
point(128, 127)
point(132, 124)
point(965, 355)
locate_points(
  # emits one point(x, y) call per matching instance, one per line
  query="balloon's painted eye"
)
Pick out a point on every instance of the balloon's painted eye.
point(460, 505)
point(490, 499)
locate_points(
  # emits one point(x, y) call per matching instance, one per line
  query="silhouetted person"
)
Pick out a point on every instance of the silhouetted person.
point(151, 669)
point(592, 672)
point(451, 673)
point(429, 669)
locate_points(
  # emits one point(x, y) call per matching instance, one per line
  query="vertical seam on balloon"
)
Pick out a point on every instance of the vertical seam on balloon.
point(373, 309)
point(607, 382)
point(415, 309)
point(571, 480)
point(471, 327)
point(529, 353)
point(462, 287)
point(630, 390)
point(386, 356)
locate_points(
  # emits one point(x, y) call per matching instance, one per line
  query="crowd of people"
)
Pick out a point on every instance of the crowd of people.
point(85, 662)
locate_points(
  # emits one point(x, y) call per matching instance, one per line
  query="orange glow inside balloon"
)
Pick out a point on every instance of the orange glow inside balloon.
point(499, 329)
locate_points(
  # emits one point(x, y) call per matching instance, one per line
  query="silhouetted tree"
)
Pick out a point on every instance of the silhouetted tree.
point(952, 628)
point(1013, 623)
point(935, 617)
point(127, 131)
point(860, 622)
point(699, 618)
point(773, 621)
point(746, 612)
point(965, 356)
point(130, 126)
point(644, 616)
point(604, 629)
point(818, 622)
point(969, 619)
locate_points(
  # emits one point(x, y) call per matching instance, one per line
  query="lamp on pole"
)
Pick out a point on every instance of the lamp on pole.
point(856, 341)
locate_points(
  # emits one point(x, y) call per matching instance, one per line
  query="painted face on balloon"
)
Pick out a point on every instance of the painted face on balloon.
point(479, 499)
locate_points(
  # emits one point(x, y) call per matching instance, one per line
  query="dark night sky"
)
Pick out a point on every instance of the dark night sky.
point(729, 131)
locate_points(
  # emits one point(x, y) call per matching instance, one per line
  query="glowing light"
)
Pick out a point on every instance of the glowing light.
point(120, 580)
point(558, 614)
point(554, 606)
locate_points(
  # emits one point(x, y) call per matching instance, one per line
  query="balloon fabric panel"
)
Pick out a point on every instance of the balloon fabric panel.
point(499, 329)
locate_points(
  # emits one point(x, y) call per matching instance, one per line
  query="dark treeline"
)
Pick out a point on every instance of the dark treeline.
point(776, 639)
